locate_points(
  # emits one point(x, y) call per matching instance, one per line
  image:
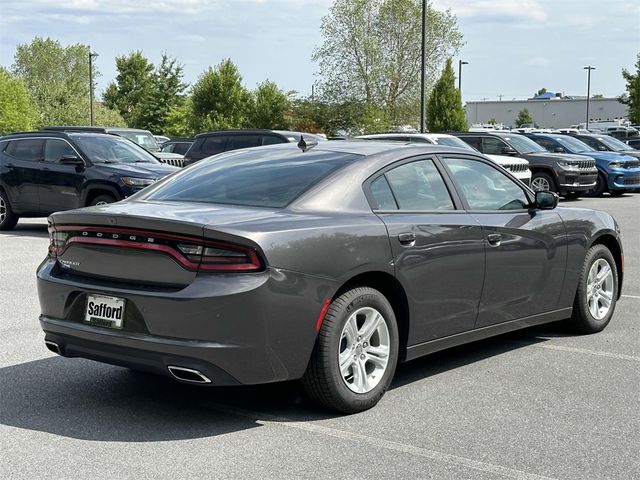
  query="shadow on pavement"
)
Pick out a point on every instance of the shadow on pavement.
point(87, 400)
point(28, 230)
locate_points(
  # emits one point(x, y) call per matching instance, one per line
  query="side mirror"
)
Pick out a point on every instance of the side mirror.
point(546, 200)
point(558, 150)
point(508, 151)
point(71, 160)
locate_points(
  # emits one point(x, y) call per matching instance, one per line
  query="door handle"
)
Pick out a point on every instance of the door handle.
point(494, 239)
point(407, 238)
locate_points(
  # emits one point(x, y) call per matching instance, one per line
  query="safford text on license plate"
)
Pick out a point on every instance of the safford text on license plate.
point(105, 311)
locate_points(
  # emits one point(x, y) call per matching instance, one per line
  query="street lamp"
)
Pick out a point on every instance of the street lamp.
point(460, 63)
point(422, 73)
point(588, 68)
point(92, 55)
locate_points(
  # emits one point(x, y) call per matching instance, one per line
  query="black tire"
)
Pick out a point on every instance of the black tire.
point(572, 195)
point(323, 381)
point(600, 188)
point(8, 219)
point(617, 193)
point(546, 178)
point(582, 321)
point(102, 199)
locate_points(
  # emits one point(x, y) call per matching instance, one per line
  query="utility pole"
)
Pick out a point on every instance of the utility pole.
point(500, 96)
point(422, 65)
point(92, 55)
point(588, 69)
point(460, 63)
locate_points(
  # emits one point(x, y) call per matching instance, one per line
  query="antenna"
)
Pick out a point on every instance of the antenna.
point(304, 146)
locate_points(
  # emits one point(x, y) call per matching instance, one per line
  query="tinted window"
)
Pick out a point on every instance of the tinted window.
point(271, 140)
point(168, 148)
point(547, 143)
point(485, 187)
point(213, 145)
point(475, 142)
point(260, 177)
point(382, 194)
point(419, 186)
point(181, 148)
point(242, 141)
point(56, 149)
point(112, 149)
point(26, 149)
point(493, 146)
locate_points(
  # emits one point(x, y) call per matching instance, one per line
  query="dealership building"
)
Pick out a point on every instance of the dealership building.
point(548, 111)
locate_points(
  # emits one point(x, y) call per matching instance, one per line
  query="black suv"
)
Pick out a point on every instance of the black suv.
point(47, 171)
point(567, 175)
point(177, 145)
point(212, 143)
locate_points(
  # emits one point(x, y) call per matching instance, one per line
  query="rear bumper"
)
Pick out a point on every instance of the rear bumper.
point(234, 328)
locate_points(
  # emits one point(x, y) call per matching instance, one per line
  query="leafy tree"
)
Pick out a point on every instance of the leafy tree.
point(17, 111)
point(632, 95)
point(219, 100)
point(144, 94)
point(523, 117)
point(57, 79)
point(371, 53)
point(270, 106)
point(445, 104)
point(177, 121)
point(597, 95)
point(541, 91)
point(492, 121)
point(106, 117)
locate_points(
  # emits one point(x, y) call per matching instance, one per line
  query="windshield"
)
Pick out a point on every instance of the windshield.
point(112, 149)
point(523, 144)
point(453, 142)
point(573, 144)
point(615, 144)
point(144, 139)
point(264, 177)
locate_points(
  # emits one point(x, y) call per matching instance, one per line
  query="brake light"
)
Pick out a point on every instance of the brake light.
point(192, 253)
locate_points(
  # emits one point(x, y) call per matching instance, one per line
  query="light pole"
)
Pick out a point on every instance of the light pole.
point(460, 63)
point(422, 73)
point(588, 69)
point(92, 55)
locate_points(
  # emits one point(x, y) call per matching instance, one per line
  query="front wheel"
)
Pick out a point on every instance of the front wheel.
point(542, 182)
point(356, 352)
point(102, 200)
point(8, 219)
point(597, 292)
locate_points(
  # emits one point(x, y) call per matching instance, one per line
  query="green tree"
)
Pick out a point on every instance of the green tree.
point(445, 105)
point(371, 53)
point(219, 100)
point(57, 79)
point(177, 122)
point(632, 95)
point(541, 91)
point(270, 107)
point(17, 111)
point(523, 118)
point(492, 121)
point(106, 117)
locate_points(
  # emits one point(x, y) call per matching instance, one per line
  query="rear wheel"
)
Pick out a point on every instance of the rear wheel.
point(102, 200)
point(356, 353)
point(597, 292)
point(541, 182)
point(8, 219)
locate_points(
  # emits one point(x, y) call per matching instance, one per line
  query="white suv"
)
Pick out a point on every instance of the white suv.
point(518, 167)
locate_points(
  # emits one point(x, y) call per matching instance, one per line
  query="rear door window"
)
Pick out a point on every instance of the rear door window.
point(475, 142)
point(31, 149)
point(493, 146)
point(242, 141)
point(272, 140)
point(213, 145)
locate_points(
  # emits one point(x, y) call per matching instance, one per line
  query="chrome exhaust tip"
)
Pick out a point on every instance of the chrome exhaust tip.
point(188, 374)
point(53, 346)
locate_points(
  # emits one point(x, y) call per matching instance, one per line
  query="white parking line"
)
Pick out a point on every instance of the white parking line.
point(281, 422)
point(637, 297)
point(618, 356)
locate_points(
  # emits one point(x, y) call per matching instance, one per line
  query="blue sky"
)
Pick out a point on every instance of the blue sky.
point(513, 47)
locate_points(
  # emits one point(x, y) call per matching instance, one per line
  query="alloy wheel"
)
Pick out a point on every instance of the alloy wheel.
point(3, 210)
point(600, 289)
point(540, 184)
point(363, 352)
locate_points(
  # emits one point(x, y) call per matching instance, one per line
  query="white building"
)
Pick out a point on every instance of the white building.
point(553, 113)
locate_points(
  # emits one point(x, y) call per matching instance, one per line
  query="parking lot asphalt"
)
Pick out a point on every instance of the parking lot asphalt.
point(534, 404)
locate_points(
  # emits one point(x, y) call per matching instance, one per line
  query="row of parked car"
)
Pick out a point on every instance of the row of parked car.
point(60, 168)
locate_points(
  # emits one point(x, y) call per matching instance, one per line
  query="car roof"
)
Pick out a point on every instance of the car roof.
point(55, 133)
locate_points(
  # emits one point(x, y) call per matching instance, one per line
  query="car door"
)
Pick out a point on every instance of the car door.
point(22, 162)
point(438, 248)
point(526, 249)
point(60, 186)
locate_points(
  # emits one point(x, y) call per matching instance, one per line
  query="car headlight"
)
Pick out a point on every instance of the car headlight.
point(568, 165)
point(137, 182)
point(616, 165)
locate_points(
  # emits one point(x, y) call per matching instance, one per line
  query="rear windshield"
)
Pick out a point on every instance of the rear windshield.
point(264, 177)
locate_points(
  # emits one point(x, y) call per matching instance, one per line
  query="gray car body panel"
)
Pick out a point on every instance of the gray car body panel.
point(261, 327)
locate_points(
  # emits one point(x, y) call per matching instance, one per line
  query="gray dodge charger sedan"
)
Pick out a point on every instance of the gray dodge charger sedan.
point(330, 263)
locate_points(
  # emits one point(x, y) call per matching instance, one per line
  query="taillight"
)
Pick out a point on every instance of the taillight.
point(192, 253)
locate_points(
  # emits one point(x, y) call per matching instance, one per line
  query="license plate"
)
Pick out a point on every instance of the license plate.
point(104, 311)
